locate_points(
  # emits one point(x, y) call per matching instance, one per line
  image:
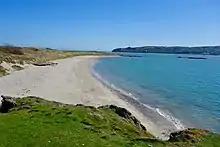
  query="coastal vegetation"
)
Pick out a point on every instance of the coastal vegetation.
point(3, 71)
point(202, 50)
point(36, 122)
point(29, 55)
point(16, 57)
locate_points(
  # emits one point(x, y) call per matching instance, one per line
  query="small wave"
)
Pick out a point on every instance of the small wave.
point(112, 86)
point(149, 107)
point(175, 121)
point(171, 119)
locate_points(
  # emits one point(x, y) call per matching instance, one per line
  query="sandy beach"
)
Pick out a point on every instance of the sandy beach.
point(70, 82)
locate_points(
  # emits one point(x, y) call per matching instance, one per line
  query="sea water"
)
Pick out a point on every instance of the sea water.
point(184, 91)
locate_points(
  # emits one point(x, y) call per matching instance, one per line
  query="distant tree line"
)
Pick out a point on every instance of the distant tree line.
point(204, 50)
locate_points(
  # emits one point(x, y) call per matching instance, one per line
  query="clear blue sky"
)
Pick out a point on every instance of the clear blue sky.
point(107, 24)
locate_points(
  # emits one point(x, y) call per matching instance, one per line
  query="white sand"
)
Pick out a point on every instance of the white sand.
point(69, 82)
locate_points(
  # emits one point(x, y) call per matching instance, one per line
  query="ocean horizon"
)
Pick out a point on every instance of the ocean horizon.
point(185, 92)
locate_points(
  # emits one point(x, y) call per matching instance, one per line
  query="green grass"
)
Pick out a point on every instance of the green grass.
point(49, 124)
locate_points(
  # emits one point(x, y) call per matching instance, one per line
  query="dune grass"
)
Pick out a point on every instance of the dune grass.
point(3, 71)
point(49, 124)
point(29, 55)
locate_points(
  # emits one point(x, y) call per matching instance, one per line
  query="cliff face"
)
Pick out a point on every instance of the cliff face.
point(204, 50)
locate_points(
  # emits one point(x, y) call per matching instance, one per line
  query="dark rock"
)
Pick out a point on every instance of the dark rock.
point(58, 103)
point(86, 122)
point(120, 111)
point(35, 49)
point(143, 127)
point(127, 115)
point(91, 107)
point(79, 105)
point(45, 64)
point(190, 134)
point(69, 113)
point(7, 103)
point(104, 137)
point(198, 58)
point(38, 101)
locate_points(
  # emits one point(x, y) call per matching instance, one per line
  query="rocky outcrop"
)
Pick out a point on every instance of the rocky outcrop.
point(125, 114)
point(45, 64)
point(191, 134)
point(7, 103)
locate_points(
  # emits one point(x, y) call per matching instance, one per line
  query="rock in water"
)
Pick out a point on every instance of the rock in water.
point(7, 103)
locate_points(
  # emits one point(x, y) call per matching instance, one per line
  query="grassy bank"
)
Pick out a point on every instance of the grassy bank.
point(21, 55)
point(39, 123)
point(18, 56)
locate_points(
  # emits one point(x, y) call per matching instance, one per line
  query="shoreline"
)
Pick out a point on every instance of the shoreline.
point(155, 123)
point(72, 82)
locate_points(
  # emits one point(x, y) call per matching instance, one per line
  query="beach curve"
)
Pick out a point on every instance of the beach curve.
point(71, 82)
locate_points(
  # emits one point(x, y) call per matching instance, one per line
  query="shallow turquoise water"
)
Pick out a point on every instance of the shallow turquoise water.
point(178, 89)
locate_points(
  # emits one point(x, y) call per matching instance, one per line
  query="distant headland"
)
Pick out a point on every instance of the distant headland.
point(200, 50)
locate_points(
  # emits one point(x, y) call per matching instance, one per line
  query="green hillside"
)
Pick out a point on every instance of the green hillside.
point(36, 122)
